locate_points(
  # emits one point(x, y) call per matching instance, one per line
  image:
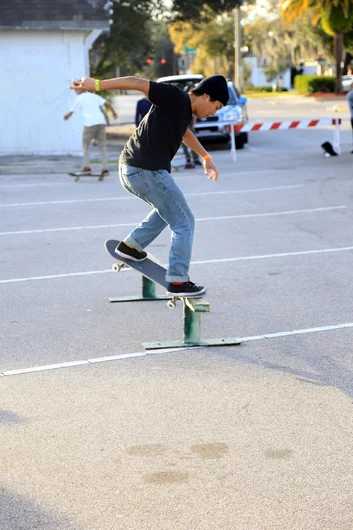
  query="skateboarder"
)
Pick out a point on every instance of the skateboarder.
point(145, 166)
point(90, 106)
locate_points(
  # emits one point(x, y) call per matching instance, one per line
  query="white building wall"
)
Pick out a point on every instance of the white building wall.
point(258, 77)
point(311, 68)
point(36, 69)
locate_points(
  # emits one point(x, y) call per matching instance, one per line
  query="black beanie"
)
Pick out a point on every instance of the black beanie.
point(216, 87)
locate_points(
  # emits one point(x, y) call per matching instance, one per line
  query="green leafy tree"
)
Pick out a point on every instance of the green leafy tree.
point(164, 61)
point(285, 44)
point(198, 11)
point(214, 40)
point(129, 42)
point(336, 18)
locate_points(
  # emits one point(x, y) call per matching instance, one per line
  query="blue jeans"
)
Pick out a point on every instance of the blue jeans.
point(158, 189)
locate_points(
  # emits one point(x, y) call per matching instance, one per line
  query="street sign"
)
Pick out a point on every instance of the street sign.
point(188, 49)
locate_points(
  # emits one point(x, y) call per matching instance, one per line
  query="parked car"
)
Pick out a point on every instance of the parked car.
point(347, 81)
point(215, 128)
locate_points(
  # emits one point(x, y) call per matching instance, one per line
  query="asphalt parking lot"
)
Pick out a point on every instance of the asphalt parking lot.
point(250, 437)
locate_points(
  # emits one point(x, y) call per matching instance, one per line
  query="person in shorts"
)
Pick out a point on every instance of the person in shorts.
point(91, 107)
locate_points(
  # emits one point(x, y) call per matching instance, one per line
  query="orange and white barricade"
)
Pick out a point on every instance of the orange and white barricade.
point(284, 125)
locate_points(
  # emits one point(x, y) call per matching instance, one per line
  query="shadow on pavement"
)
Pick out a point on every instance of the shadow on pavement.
point(18, 513)
point(326, 371)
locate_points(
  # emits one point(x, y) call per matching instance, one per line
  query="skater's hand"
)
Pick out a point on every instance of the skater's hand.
point(210, 169)
point(86, 83)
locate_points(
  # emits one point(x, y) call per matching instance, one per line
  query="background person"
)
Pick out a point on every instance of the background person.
point(91, 107)
point(142, 108)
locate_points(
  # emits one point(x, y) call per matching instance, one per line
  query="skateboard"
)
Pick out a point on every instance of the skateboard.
point(79, 174)
point(328, 149)
point(151, 268)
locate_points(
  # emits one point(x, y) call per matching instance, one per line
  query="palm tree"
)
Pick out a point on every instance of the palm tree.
point(336, 17)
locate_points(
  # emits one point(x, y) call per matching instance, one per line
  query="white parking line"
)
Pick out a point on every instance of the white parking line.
point(38, 184)
point(221, 260)
point(298, 332)
point(200, 219)
point(114, 180)
point(268, 256)
point(130, 197)
point(97, 360)
point(55, 276)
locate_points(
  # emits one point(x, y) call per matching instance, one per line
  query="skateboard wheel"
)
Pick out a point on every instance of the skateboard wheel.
point(116, 267)
point(171, 304)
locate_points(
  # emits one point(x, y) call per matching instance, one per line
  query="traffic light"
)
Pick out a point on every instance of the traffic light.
point(148, 60)
point(163, 61)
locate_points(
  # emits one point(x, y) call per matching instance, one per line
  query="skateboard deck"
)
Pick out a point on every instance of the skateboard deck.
point(79, 175)
point(150, 267)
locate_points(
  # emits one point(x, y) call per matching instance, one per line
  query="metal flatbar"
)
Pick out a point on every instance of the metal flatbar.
point(180, 343)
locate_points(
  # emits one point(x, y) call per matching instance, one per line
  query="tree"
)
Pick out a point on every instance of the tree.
point(282, 44)
point(336, 18)
point(163, 57)
point(198, 11)
point(268, 37)
point(129, 41)
point(213, 39)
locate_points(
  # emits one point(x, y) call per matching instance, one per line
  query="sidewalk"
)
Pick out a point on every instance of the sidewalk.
point(117, 135)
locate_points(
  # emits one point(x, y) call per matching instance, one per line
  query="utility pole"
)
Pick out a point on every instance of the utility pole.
point(237, 45)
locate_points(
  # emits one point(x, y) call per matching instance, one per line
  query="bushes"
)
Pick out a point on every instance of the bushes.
point(308, 84)
point(263, 89)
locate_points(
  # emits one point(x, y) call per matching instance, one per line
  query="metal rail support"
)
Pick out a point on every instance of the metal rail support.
point(148, 293)
point(192, 309)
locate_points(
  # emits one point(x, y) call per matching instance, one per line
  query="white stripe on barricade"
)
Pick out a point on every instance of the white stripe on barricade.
point(285, 125)
point(281, 125)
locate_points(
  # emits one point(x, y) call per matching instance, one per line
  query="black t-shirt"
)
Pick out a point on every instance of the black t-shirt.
point(160, 133)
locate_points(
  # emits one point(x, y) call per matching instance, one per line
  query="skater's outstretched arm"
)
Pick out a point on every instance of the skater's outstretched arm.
point(119, 83)
point(209, 167)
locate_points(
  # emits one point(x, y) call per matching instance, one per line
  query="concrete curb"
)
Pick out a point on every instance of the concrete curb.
point(45, 170)
point(117, 137)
